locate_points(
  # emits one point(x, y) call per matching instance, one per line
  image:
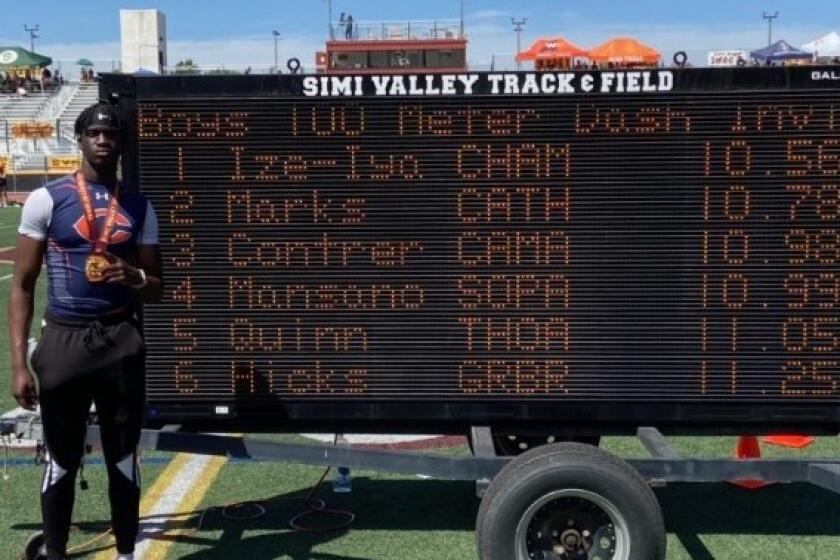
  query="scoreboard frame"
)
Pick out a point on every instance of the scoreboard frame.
point(452, 414)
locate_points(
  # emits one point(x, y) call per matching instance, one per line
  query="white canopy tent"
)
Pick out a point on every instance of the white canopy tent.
point(827, 46)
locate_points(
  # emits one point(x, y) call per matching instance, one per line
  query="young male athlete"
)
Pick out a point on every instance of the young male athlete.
point(100, 240)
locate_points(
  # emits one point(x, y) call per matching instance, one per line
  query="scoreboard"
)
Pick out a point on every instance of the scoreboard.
point(416, 252)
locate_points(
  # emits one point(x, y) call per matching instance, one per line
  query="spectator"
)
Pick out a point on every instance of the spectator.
point(4, 201)
point(348, 32)
point(46, 79)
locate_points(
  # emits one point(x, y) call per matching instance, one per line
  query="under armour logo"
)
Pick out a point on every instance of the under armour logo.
point(101, 196)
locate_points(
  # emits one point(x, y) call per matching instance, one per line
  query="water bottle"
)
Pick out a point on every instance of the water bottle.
point(342, 483)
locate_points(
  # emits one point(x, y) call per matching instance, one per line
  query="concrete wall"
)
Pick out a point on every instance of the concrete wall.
point(143, 40)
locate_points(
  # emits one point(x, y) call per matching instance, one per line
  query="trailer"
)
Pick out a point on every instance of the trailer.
point(523, 257)
point(559, 500)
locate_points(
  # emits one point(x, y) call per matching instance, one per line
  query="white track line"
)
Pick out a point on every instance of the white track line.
point(170, 501)
point(159, 518)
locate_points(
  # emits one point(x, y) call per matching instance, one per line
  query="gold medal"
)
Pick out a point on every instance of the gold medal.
point(95, 266)
point(99, 260)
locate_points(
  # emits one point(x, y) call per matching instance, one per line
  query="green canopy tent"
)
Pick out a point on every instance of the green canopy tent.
point(15, 58)
point(84, 62)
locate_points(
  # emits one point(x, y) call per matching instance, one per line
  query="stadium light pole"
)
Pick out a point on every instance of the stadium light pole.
point(517, 27)
point(769, 18)
point(276, 63)
point(330, 32)
point(33, 34)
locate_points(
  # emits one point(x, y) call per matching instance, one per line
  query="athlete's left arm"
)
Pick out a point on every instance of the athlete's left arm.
point(146, 258)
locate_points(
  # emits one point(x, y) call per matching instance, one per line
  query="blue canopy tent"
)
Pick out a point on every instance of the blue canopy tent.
point(780, 51)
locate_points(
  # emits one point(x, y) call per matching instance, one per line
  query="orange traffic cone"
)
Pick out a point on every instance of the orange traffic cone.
point(748, 448)
point(788, 440)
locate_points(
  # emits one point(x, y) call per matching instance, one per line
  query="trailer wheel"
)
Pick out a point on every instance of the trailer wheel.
point(516, 444)
point(35, 549)
point(572, 502)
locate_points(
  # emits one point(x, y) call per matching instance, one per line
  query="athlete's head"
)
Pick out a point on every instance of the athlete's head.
point(99, 132)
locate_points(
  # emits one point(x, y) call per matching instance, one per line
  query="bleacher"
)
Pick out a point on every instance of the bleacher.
point(27, 107)
point(86, 94)
point(13, 108)
point(60, 108)
point(64, 143)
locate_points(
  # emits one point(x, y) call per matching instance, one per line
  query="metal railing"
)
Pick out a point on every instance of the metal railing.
point(57, 103)
point(379, 30)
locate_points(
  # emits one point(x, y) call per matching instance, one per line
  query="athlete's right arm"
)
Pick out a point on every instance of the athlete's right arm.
point(28, 257)
point(29, 254)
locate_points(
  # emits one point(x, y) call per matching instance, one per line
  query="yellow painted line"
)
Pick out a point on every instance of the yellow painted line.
point(158, 548)
point(159, 486)
point(162, 483)
point(165, 482)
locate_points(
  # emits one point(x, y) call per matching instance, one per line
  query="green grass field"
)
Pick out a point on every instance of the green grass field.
point(408, 518)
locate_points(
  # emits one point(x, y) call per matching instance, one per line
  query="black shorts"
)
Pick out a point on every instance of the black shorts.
point(95, 350)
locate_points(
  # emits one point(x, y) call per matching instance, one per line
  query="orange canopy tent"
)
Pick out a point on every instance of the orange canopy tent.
point(551, 48)
point(624, 50)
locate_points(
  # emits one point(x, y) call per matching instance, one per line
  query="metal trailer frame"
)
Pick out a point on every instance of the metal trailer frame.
point(501, 481)
point(665, 464)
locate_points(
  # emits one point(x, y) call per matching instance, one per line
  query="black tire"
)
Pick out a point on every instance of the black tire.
point(511, 445)
point(35, 549)
point(508, 445)
point(576, 489)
